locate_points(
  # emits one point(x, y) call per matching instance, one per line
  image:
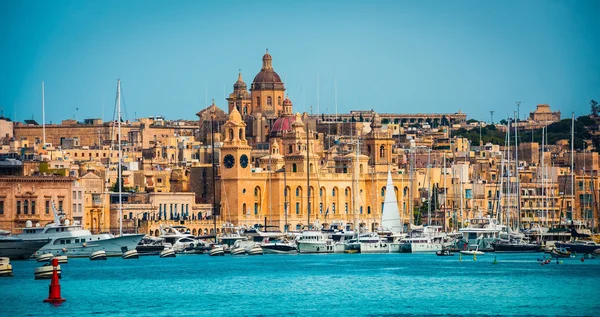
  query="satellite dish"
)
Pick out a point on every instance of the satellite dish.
point(28, 224)
point(67, 222)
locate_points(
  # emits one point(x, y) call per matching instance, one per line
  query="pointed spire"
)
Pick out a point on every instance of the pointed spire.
point(240, 76)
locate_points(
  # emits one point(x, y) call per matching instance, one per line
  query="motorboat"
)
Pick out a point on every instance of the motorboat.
point(237, 251)
point(444, 253)
point(151, 246)
point(255, 250)
point(98, 255)
point(423, 239)
point(561, 253)
point(277, 246)
point(46, 271)
point(314, 241)
point(515, 246)
point(368, 243)
point(130, 254)
point(18, 249)
point(180, 238)
point(481, 231)
point(167, 253)
point(470, 251)
point(579, 246)
point(74, 241)
point(5, 267)
point(216, 250)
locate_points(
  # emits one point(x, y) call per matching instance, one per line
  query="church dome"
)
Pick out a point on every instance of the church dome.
point(282, 125)
point(267, 78)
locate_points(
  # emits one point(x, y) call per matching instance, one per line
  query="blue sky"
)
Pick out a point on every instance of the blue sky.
point(391, 56)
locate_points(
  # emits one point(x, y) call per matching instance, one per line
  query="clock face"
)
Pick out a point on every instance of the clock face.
point(244, 161)
point(228, 161)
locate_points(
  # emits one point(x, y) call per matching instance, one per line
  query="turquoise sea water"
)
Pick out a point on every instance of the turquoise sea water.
point(311, 285)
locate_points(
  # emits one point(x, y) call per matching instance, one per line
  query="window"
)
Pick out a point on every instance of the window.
point(269, 101)
point(294, 168)
point(74, 195)
point(321, 192)
point(256, 208)
point(26, 207)
point(321, 208)
point(47, 207)
point(298, 191)
point(33, 207)
point(333, 208)
point(60, 205)
point(79, 195)
point(258, 101)
point(361, 210)
point(159, 180)
point(244, 208)
point(346, 208)
point(290, 149)
point(346, 191)
point(333, 192)
point(369, 210)
point(297, 208)
point(74, 208)
point(382, 191)
point(279, 101)
point(1, 207)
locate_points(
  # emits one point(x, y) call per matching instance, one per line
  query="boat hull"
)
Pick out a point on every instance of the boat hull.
point(499, 247)
point(577, 248)
point(113, 247)
point(20, 249)
point(315, 247)
point(279, 249)
point(416, 247)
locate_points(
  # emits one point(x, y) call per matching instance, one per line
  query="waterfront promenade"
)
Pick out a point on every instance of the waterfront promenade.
point(311, 285)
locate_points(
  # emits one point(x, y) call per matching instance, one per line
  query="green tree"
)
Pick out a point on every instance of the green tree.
point(594, 108)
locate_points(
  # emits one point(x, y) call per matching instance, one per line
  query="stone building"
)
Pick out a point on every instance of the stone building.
point(24, 198)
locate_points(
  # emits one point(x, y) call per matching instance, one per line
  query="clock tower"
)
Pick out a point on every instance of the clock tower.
point(235, 153)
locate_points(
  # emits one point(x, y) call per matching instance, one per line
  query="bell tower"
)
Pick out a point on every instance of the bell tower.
point(379, 145)
point(235, 153)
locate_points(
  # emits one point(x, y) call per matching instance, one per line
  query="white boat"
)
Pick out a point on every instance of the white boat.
point(180, 238)
point(98, 255)
point(423, 239)
point(481, 231)
point(369, 243)
point(44, 257)
point(238, 251)
point(167, 253)
point(131, 254)
point(5, 267)
point(255, 250)
point(471, 251)
point(74, 241)
point(216, 250)
point(62, 259)
point(46, 271)
point(312, 241)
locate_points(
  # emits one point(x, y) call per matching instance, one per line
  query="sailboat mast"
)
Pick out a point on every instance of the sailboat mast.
point(43, 118)
point(355, 188)
point(308, 174)
point(445, 191)
point(508, 189)
point(429, 196)
point(517, 181)
point(572, 165)
point(119, 156)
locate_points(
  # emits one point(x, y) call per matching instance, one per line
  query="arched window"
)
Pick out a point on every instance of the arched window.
point(346, 191)
point(240, 134)
point(290, 149)
point(382, 151)
point(360, 169)
point(269, 101)
point(368, 149)
point(382, 191)
point(245, 109)
point(311, 168)
point(333, 191)
point(230, 134)
point(244, 208)
point(405, 191)
point(369, 210)
point(294, 168)
point(321, 192)
point(298, 191)
point(256, 191)
point(258, 101)
point(279, 101)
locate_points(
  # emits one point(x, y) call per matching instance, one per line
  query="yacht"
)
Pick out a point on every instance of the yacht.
point(279, 246)
point(18, 249)
point(313, 241)
point(179, 238)
point(151, 246)
point(74, 241)
point(368, 243)
point(423, 239)
point(481, 231)
point(579, 246)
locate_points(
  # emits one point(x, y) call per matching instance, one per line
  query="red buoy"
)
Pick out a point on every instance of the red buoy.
point(54, 294)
